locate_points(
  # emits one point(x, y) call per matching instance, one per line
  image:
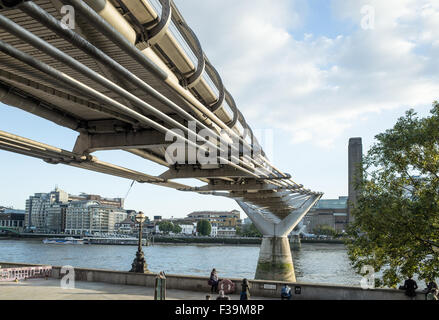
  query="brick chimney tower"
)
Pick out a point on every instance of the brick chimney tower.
point(355, 154)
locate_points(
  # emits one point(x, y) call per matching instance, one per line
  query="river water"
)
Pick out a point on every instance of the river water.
point(316, 263)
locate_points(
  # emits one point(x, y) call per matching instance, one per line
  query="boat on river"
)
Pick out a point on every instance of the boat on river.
point(68, 240)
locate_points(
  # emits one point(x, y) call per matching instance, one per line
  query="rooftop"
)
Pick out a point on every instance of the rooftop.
point(233, 212)
point(340, 203)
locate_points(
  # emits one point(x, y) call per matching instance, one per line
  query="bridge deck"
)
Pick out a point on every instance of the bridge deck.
point(121, 78)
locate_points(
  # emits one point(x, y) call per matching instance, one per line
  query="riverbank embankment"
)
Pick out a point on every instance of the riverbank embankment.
point(172, 239)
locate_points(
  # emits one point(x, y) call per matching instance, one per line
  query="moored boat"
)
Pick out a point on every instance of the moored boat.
point(68, 240)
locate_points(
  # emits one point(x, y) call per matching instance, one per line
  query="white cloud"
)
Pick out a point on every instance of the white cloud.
point(318, 87)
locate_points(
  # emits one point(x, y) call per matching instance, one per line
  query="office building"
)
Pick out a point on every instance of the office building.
point(328, 212)
point(91, 217)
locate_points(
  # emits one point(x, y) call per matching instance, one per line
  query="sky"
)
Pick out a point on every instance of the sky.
point(307, 75)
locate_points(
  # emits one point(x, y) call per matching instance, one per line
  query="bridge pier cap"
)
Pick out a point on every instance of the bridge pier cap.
point(275, 261)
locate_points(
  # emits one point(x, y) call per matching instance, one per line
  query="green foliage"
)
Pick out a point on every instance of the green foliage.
point(166, 226)
point(325, 230)
point(204, 228)
point(176, 229)
point(249, 230)
point(396, 226)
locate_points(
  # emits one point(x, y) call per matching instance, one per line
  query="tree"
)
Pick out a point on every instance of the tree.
point(166, 226)
point(249, 230)
point(177, 229)
point(396, 226)
point(325, 230)
point(204, 227)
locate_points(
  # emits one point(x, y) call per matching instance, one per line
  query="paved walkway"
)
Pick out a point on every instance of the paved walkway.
point(39, 289)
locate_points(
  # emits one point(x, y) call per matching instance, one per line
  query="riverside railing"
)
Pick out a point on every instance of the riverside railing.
point(23, 273)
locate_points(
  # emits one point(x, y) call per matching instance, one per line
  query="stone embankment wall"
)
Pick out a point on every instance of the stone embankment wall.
point(261, 288)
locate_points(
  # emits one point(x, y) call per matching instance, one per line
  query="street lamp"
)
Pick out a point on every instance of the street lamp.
point(139, 264)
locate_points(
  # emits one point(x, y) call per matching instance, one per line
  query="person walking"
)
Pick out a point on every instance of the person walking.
point(245, 290)
point(285, 293)
point(213, 281)
point(410, 287)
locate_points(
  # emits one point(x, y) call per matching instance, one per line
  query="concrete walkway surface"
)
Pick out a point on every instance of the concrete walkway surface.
point(40, 289)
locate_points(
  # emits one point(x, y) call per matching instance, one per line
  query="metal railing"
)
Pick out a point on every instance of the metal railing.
point(22, 273)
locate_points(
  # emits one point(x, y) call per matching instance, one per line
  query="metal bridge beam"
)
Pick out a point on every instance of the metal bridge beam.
point(194, 172)
point(88, 143)
point(234, 187)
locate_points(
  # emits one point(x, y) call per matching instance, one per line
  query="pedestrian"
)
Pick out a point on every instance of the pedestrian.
point(410, 287)
point(285, 293)
point(245, 290)
point(222, 296)
point(213, 281)
point(431, 285)
point(433, 295)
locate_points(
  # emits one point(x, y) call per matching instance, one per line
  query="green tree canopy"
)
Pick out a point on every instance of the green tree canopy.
point(177, 229)
point(166, 226)
point(325, 230)
point(249, 230)
point(204, 227)
point(396, 226)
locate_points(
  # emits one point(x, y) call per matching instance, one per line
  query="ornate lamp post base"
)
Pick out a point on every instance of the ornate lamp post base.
point(139, 264)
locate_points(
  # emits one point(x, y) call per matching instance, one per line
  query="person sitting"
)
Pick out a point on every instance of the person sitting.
point(222, 296)
point(213, 281)
point(433, 295)
point(410, 287)
point(285, 293)
point(431, 285)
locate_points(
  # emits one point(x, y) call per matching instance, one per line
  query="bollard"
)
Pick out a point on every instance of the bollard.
point(160, 286)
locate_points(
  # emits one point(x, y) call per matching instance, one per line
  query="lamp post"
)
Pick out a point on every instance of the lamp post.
point(139, 264)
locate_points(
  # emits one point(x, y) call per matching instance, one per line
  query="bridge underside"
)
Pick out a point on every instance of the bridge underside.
point(121, 80)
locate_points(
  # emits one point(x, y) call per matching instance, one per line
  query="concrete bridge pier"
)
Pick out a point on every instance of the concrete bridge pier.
point(295, 242)
point(275, 261)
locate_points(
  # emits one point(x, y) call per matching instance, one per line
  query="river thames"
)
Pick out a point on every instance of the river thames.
point(315, 263)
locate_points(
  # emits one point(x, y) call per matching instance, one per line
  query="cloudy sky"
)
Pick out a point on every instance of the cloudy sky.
point(306, 74)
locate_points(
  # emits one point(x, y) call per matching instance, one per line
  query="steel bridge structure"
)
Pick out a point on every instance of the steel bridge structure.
point(127, 75)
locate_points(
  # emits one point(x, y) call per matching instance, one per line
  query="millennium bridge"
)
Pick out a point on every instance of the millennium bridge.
point(131, 75)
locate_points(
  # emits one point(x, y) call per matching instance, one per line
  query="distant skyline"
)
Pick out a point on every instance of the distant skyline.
point(306, 71)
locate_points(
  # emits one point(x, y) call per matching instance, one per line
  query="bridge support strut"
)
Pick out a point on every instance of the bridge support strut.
point(275, 261)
